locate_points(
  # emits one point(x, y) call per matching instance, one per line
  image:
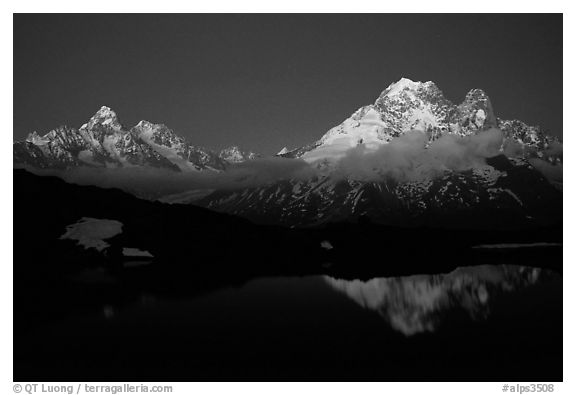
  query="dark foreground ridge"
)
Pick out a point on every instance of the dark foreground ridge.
point(196, 251)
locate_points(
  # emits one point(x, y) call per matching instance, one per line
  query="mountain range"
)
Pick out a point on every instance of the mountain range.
point(407, 105)
point(104, 142)
point(410, 158)
point(415, 158)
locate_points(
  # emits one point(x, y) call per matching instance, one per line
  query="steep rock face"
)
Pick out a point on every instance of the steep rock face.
point(407, 105)
point(176, 149)
point(475, 113)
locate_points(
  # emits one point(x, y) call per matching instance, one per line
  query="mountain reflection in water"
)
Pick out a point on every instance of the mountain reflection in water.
point(416, 304)
point(309, 327)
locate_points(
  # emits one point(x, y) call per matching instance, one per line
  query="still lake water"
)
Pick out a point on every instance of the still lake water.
point(476, 323)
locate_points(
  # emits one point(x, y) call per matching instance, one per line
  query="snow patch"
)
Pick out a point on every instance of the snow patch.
point(91, 232)
point(480, 118)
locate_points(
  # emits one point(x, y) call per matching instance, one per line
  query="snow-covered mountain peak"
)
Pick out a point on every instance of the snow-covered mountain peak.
point(407, 87)
point(106, 117)
point(358, 175)
point(399, 86)
point(106, 111)
point(404, 106)
point(406, 90)
point(403, 84)
point(408, 105)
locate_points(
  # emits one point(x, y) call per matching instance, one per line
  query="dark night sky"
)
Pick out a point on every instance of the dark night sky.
point(264, 82)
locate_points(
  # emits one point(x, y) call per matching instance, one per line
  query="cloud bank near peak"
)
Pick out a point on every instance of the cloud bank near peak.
point(409, 157)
